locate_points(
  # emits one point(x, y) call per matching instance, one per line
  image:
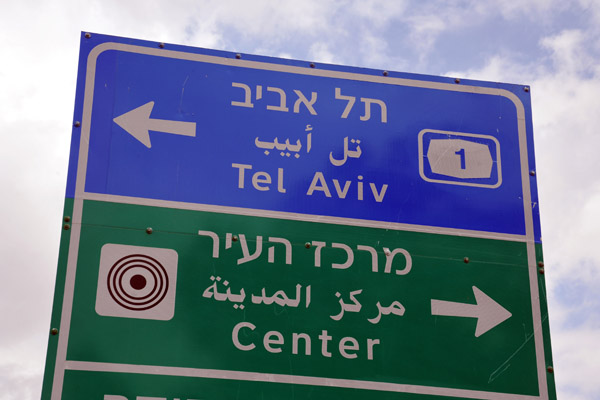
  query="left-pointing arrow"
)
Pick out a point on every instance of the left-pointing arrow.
point(487, 311)
point(138, 123)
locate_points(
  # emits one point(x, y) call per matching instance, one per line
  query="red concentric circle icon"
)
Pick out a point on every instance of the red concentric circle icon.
point(137, 282)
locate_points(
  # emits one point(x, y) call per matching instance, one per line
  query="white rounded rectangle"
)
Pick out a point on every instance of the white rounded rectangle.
point(457, 158)
point(136, 282)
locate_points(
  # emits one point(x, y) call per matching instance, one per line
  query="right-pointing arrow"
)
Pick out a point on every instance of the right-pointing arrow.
point(487, 311)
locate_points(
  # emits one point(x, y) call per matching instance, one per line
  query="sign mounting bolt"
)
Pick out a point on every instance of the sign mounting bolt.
point(66, 218)
point(456, 80)
point(550, 369)
point(526, 89)
point(238, 56)
point(385, 73)
point(149, 230)
point(88, 35)
point(541, 271)
point(532, 173)
point(161, 45)
point(54, 331)
point(77, 124)
point(66, 227)
point(540, 264)
point(307, 245)
point(234, 238)
point(312, 65)
point(466, 260)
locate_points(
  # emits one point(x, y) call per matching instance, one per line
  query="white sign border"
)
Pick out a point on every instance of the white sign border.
point(61, 362)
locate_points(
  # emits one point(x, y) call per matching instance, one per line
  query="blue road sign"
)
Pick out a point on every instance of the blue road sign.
point(283, 228)
point(197, 126)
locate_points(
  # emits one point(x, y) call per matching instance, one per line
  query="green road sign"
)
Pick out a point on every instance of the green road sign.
point(270, 300)
point(176, 295)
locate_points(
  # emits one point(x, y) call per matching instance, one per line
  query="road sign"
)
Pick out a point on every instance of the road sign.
point(244, 224)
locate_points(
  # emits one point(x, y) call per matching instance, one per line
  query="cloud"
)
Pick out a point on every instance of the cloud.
point(569, 53)
point(378, 12)
point(512, 9)
point(268, 25)
point(425, 29)
point(16, 383)
point(577, 374)
point(320, 52)
point(569, 183)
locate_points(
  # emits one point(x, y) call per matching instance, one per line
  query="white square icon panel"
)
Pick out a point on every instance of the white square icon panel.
point(136, 282)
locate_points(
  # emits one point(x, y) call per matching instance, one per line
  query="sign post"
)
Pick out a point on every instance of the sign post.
point(244, 224)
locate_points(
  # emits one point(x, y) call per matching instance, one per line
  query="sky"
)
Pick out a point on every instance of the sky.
point(553, 46)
